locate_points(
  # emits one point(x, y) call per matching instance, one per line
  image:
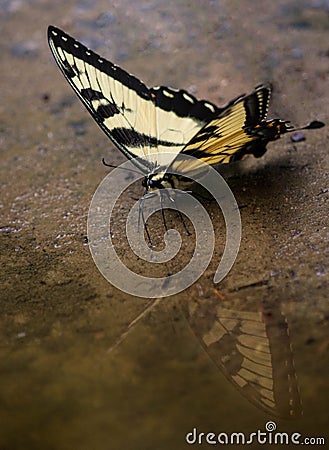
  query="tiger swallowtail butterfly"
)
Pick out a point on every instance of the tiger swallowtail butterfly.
point(149, 123)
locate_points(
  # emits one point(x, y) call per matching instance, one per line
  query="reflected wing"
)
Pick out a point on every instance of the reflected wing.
point(252, 349)
point(140, 121)
point(239, 129)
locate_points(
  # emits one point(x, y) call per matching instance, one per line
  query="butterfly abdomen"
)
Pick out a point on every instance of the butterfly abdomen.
point(270, 130)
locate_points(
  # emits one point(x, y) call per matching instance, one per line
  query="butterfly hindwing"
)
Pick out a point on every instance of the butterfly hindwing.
point(225, 137)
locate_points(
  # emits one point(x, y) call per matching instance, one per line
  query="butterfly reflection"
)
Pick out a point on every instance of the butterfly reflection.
point(251, 347)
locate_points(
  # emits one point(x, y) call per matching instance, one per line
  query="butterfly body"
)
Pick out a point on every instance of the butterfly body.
point(158, 180)
point(152, 126)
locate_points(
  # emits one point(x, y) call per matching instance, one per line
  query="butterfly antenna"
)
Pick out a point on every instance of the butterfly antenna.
point(311, 126)
point(119, 167)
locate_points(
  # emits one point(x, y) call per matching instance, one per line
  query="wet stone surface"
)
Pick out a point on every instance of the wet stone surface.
point(71, 375)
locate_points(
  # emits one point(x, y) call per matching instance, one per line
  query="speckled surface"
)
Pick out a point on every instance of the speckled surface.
point(61, 388)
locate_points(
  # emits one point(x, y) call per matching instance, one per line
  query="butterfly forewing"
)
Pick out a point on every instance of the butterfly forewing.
point(141, 122)
point(120, 103)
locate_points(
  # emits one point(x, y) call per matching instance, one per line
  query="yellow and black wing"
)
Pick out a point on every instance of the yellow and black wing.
point(240, 128)
point(142, 122)
point(158, 124)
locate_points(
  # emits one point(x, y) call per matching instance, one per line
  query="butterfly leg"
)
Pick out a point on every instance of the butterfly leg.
point(172, 199)
point(184, 223)
point(141, 215)
point(162, 210)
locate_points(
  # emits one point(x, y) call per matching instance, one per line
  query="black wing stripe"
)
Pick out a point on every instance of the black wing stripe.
point(133, 139)
point(76, 49)
point(256, 105)
point(184, 104)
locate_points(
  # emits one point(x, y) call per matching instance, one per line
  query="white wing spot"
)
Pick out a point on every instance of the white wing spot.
point(188, 98)
point(168, 94)
point(209, 106)
point(100, 60)
point(54, 33)
point(64, 38)
point(76, 45)
point(88, 53)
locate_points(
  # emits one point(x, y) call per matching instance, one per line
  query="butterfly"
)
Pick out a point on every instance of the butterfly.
point(157, 124)
point(250, 345)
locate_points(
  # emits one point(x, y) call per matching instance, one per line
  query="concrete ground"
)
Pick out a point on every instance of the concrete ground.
point(73, 372)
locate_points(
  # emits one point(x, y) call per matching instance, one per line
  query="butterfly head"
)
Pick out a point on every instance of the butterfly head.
point(159, 180)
